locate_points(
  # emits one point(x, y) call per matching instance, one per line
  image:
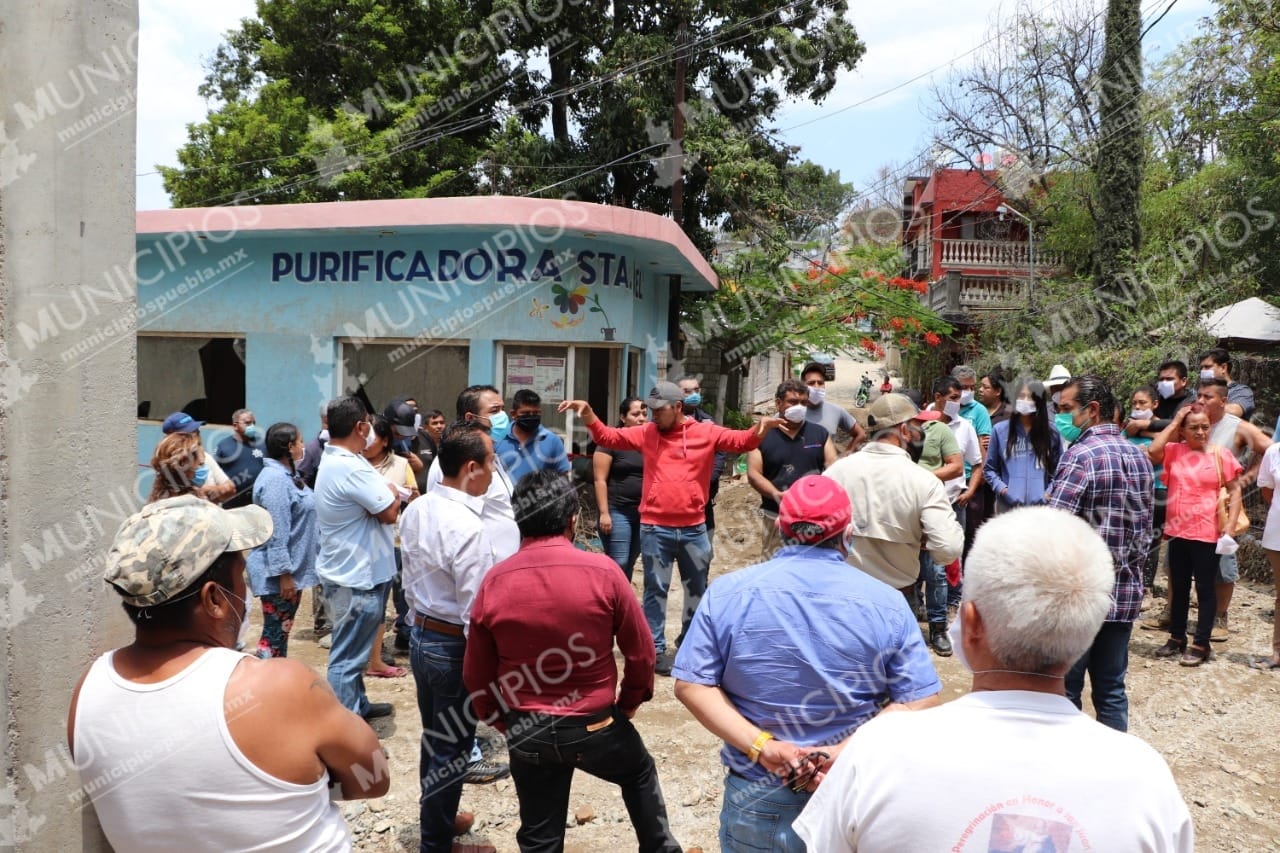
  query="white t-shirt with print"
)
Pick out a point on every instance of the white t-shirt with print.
point(1268, 476)
point(970, 451)
point(996, 770)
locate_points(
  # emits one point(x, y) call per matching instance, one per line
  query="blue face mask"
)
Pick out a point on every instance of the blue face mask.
point(1066, 426)
point(694, 399)
point(200, 476)
point(251, 432)
point(499, 426)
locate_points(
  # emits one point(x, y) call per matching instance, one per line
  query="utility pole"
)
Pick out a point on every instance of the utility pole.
point(677, 124)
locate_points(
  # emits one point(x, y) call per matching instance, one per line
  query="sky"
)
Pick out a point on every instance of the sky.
point(905, 39)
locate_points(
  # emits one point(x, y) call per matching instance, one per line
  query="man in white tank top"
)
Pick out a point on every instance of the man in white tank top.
point(183, 743)
point(1239, 437)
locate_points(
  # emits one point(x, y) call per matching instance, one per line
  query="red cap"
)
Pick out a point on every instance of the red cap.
point(928, 415)
point(814, 509)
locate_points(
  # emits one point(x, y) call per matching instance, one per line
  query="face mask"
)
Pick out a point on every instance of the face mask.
point(1165, 388)
point(966, 397)
point(1057, 397)
point(795, 414)
point(694, 399)
point(1024, 407)
point(1207, 375)
point(817, 395)
point(370, 438)
point(251, 432)
point(244, 618)
point(957, 647)
point(200, 476)
point(951, 408)
point(417, 421)
point(324, 435)
point(302, 451)
point(499, 425)
point(914, 444)
point(1141, 415)
point(848, 539)
point(529, 423)
point(1066, 426)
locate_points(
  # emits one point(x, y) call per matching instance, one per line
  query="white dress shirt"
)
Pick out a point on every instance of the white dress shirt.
point(447, 552)
point(498, 514)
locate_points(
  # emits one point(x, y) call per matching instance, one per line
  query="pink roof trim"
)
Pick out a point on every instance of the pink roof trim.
point(545, 216)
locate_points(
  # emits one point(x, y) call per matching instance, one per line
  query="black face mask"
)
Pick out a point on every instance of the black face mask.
point(529, 423)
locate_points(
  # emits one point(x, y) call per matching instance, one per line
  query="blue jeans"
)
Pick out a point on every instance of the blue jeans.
point(623, 544)
point(659, 548)
point(357, 616)
point(935, 588)
point(448, 733)
point(1106, 661)
point(758, 816)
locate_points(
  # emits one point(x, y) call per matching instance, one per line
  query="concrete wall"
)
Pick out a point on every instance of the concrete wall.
point(66, 426)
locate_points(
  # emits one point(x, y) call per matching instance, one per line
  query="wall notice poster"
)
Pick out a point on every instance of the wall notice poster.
point(543, 374)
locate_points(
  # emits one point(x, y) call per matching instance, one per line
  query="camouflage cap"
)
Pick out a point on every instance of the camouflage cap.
point(161, 550)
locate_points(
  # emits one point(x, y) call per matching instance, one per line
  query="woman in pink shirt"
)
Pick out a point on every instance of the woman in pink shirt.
point(1194, 471)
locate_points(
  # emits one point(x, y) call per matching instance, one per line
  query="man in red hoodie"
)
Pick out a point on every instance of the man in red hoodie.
point(678, 452)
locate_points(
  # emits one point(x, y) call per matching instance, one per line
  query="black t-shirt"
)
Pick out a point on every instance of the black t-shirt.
point(424, 447)
point(787, 459)
point(626, 473)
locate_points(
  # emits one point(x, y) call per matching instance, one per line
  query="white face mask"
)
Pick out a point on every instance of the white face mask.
point(955, 635)
point(1207, 375)
point(817, 395)
point(966, 397)
point(1057, 397)
point(417, 422)
point(244, 619)
point(302, 452)
point(795, 414)
point(370, 438)
point(1141, 415)
point(324, 435)
point(1165, 388)
point(1024, 407)
point(951, 408)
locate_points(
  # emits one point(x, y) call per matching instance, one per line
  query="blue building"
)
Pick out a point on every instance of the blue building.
point(280, 308)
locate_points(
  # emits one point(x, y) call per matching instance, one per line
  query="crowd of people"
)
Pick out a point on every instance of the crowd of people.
point(811, 666)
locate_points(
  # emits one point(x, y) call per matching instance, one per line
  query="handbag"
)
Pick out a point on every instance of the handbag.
point(1224, 502)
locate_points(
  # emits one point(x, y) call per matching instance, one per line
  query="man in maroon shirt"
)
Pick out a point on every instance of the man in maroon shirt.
point(551, 683)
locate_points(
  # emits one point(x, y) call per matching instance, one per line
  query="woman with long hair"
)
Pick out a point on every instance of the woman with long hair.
point(618, 475)
point(395, 469)
point(1195, 471)
point(179, 464)
point(1143, 408)
point(1024, 451)
point(285, 565)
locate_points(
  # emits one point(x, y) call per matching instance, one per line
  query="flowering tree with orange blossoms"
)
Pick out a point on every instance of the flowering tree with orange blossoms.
point(856, 303)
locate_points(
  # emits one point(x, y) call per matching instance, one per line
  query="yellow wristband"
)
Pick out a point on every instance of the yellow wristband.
point(753, 754)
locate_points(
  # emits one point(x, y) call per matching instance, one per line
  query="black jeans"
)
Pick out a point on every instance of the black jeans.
point(1190, 560)
point(1151, 568)
point(544, 751)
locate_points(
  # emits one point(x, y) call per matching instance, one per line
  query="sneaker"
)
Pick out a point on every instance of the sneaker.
point(1157, 623)
point(938, 639)
point(1220, 631)
point(379, 709)
point(326, 641)
point(484, 772)
point(662, 666)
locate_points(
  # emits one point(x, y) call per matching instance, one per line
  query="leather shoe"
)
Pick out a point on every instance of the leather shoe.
point(1171, 648)
point(1196, 656)
point(379, 709)
point(462, 823)
point(939, 640)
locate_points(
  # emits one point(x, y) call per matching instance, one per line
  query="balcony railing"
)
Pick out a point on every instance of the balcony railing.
point(957, 294)
point(994, 254)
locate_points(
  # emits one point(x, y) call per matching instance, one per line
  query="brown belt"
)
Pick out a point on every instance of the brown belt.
point(420, 621)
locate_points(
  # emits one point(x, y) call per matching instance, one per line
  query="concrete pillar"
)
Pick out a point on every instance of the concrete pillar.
point(67, 386)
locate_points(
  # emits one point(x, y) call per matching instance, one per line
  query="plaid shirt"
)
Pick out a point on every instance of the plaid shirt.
point(1107, 481)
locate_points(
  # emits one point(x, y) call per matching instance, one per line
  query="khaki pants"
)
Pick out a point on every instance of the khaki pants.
point(770, 538)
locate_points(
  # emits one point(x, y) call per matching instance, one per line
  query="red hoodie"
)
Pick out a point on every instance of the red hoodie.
point(677, 465)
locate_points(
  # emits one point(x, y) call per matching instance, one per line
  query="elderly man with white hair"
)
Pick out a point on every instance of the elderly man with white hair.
point(1026, 770)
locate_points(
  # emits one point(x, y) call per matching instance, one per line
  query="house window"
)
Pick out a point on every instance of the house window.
point(202, 376)
point(564, 373)
point(431, 373)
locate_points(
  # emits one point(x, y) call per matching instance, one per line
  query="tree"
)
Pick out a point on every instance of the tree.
point(1120, 146)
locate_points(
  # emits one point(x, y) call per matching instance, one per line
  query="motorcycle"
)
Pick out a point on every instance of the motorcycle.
point(864, 393)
